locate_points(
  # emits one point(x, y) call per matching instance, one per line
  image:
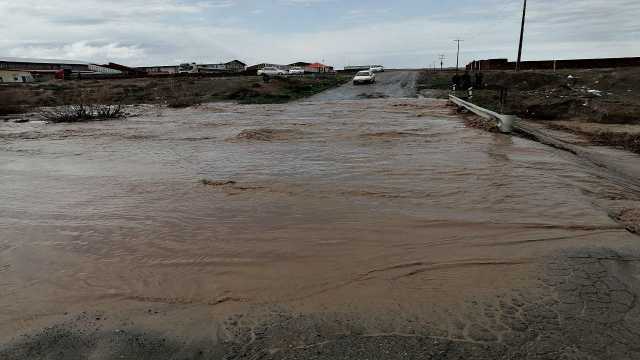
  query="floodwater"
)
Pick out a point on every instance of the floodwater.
point(357, 205)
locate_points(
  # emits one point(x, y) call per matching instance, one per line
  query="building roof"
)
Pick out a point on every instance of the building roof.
point(318, 66)
point(42, 61)
point(156, 66)
point(122, 68)
point(300, 63)
point(262, 65)
point(237, 61)
point(15, 71)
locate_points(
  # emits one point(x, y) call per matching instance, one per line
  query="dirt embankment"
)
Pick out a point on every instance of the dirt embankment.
point(174, 92)
point(602, 105)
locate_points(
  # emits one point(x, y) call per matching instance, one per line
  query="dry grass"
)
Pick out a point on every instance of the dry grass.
point(10, 103)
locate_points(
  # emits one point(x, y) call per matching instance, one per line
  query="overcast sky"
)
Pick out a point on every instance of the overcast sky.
point(407, 33)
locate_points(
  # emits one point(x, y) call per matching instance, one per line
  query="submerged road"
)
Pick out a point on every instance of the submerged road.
point(389, 84)
point(324, 229)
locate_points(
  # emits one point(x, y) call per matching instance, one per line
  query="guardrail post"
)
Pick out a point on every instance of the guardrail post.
point(506, 123)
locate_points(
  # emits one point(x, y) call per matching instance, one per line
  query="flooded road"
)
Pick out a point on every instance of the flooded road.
point(389, 84)
point(386, 214)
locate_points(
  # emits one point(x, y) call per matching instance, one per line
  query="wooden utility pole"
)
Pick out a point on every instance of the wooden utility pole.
point(524, 15)
point(442, 57)
point(458, 55)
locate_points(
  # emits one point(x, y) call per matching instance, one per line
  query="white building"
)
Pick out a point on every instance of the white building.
point(15, 76)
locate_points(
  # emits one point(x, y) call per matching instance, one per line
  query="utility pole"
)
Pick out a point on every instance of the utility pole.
point(442, 57)
point(458, 56)
point(524, 15)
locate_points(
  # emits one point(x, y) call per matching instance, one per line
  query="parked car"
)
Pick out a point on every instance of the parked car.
point(271, 71)
point(377, 68)
point(296, 70)
point(364, 77)
point(188, 68)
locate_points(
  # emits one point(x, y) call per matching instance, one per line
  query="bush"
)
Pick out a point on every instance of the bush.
point(82, 112)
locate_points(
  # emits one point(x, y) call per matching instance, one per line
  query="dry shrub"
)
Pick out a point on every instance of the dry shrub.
point(83, 112)
point(90, 106)
point(177, 95)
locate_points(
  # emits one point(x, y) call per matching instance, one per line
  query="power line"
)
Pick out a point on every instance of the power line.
point(458, 55)
point(524, 14)
point(442, 57)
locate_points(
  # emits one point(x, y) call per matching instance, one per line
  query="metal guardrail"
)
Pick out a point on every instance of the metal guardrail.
point(505, 122)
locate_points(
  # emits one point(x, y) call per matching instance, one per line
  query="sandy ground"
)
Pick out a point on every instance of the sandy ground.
point(327, 229)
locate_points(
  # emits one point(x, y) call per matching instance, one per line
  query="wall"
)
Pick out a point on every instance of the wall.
point(42, 66)
point(504, 64)
point(15, 76)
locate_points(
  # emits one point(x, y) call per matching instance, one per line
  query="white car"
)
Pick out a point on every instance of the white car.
point(364, 77)
point(377, 68)
point(296, 70)
point(271, 71)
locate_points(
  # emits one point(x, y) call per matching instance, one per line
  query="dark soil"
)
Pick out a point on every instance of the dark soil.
point(626, 141)
point(602, 95)
point(631, 219)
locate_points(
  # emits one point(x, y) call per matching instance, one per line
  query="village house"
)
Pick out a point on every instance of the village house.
point(234, 66)
point(319, 68)
point(15, 76)
point(44, 69)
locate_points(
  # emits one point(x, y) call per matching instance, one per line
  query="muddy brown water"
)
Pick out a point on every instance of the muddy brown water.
point(368, 206)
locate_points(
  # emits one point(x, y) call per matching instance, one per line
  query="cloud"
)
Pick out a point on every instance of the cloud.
point(138, 32)
point(81, 50)
point(306, 2)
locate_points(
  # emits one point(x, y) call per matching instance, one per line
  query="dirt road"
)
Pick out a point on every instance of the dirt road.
point(389, 84)
point(369, 229)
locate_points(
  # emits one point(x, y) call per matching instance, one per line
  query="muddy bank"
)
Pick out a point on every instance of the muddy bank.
point(175, 92)
point(599, 95)
point(608, 135)
point(609, 98)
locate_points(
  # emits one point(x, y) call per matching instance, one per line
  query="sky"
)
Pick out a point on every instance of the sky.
point(400, 33)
